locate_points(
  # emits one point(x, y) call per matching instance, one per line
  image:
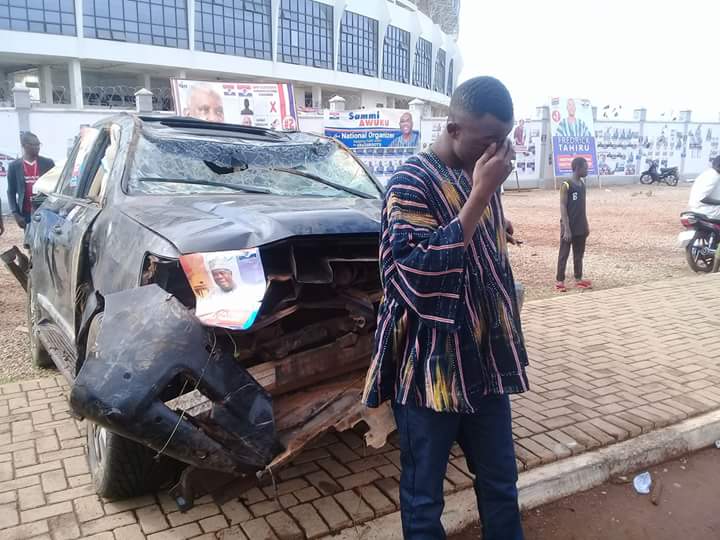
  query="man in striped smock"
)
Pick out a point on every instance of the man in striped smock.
point(449, 346)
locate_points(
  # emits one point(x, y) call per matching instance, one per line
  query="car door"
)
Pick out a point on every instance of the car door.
point(65, 218)
point(76, 215)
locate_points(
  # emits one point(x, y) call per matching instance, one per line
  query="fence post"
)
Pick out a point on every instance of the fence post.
point(542, 113)
point(685, 116)
point(21, 97)
point(143, 101)
point(337, 103)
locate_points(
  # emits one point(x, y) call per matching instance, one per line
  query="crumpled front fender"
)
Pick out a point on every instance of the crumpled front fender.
point(146, 340)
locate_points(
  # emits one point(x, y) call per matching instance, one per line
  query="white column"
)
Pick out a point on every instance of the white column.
point(79, 18)
point(317, 97)
point(76, 87)
point(190, 25)
point(181, 74)
point(46, 88)
point(144, 81)
point(275, 28)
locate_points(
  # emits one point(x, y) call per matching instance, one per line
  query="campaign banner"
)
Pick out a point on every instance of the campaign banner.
point(573, 134)
point(269, 106)
point(382, 138)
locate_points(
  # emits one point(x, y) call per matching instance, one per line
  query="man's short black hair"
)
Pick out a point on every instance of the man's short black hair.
point(716, 162)
point(577, 162)
point(28, 137)
point(483, 95)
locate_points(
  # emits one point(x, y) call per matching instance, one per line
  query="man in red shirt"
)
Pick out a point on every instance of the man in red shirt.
point(22, 175)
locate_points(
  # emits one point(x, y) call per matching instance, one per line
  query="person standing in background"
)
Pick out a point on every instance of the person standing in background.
point(22, 175)
point(574, 225)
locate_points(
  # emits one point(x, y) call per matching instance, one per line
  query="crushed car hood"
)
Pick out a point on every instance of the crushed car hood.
point(220, 222)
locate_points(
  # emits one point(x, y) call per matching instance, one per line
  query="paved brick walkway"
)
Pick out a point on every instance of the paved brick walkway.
point(606, 366)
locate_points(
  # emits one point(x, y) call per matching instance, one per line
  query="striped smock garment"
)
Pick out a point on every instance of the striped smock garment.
point(448, 330)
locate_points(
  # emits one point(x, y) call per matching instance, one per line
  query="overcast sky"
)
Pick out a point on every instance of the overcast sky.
point(659, 54)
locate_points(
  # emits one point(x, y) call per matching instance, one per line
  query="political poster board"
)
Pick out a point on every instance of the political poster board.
point(270, 106)
point(382, 138)
point(573, 134)
point(526, 137)
point(618, 148)
point(430, 130)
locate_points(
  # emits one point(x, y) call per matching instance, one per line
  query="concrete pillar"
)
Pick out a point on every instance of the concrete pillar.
point(546, 174)
point(46, 87)
point(337, 103)
point(594, 113)
point(143, 101)
point(191, 25)
point(390, 100)
point(275, 28)
point(417, 108)
point(76, 87)
point(144, 81)
point(640, 115)
point(181, 74)
point(21, 97)
point(317, 97)
point(79, 18)
point(685, 116)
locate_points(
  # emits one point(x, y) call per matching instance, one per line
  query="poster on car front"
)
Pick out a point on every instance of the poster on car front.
point(382, 138)
point(229, 286)
point(573, 134)
point(270, 106)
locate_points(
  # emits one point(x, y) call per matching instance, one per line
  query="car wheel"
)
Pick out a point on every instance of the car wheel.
point(38, 355)
point(122, 468)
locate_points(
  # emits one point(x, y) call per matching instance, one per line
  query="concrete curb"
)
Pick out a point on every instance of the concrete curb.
point(557, 480)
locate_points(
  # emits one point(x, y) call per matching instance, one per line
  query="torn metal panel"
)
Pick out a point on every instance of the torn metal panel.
point(18, 264)
point(336, 405)
point(147, 340)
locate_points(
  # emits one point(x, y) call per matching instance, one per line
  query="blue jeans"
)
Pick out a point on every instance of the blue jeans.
point(486, 439)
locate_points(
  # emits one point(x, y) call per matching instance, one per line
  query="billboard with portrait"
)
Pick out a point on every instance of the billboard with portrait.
point(382, 138)
point(269, 106)
point(573, 134)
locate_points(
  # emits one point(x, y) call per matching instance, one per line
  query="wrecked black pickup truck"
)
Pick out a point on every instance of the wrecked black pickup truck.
point(210, 292)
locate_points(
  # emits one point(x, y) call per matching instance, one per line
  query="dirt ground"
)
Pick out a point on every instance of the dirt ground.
point(632, 237)
point(687, 509)
point(14, 356)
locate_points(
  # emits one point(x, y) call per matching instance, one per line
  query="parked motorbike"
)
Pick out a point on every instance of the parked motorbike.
point(668, 175)
point(700, 241)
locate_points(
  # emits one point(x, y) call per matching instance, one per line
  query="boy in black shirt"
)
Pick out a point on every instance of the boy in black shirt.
point(574, 225)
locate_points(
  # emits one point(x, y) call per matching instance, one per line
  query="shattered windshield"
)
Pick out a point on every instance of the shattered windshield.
point(293, 165)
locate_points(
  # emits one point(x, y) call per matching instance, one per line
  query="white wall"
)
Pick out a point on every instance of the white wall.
point(9, 145)
point(56, 128)
point(312, 123)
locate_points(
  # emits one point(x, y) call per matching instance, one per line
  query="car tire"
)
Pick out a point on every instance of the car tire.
point(38, 355)
point(121, 468)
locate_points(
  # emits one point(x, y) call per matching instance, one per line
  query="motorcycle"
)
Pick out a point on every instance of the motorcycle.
point(700, 241)
point(668, 175)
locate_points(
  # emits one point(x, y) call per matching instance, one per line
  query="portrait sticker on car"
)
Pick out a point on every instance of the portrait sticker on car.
point(229, 286)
